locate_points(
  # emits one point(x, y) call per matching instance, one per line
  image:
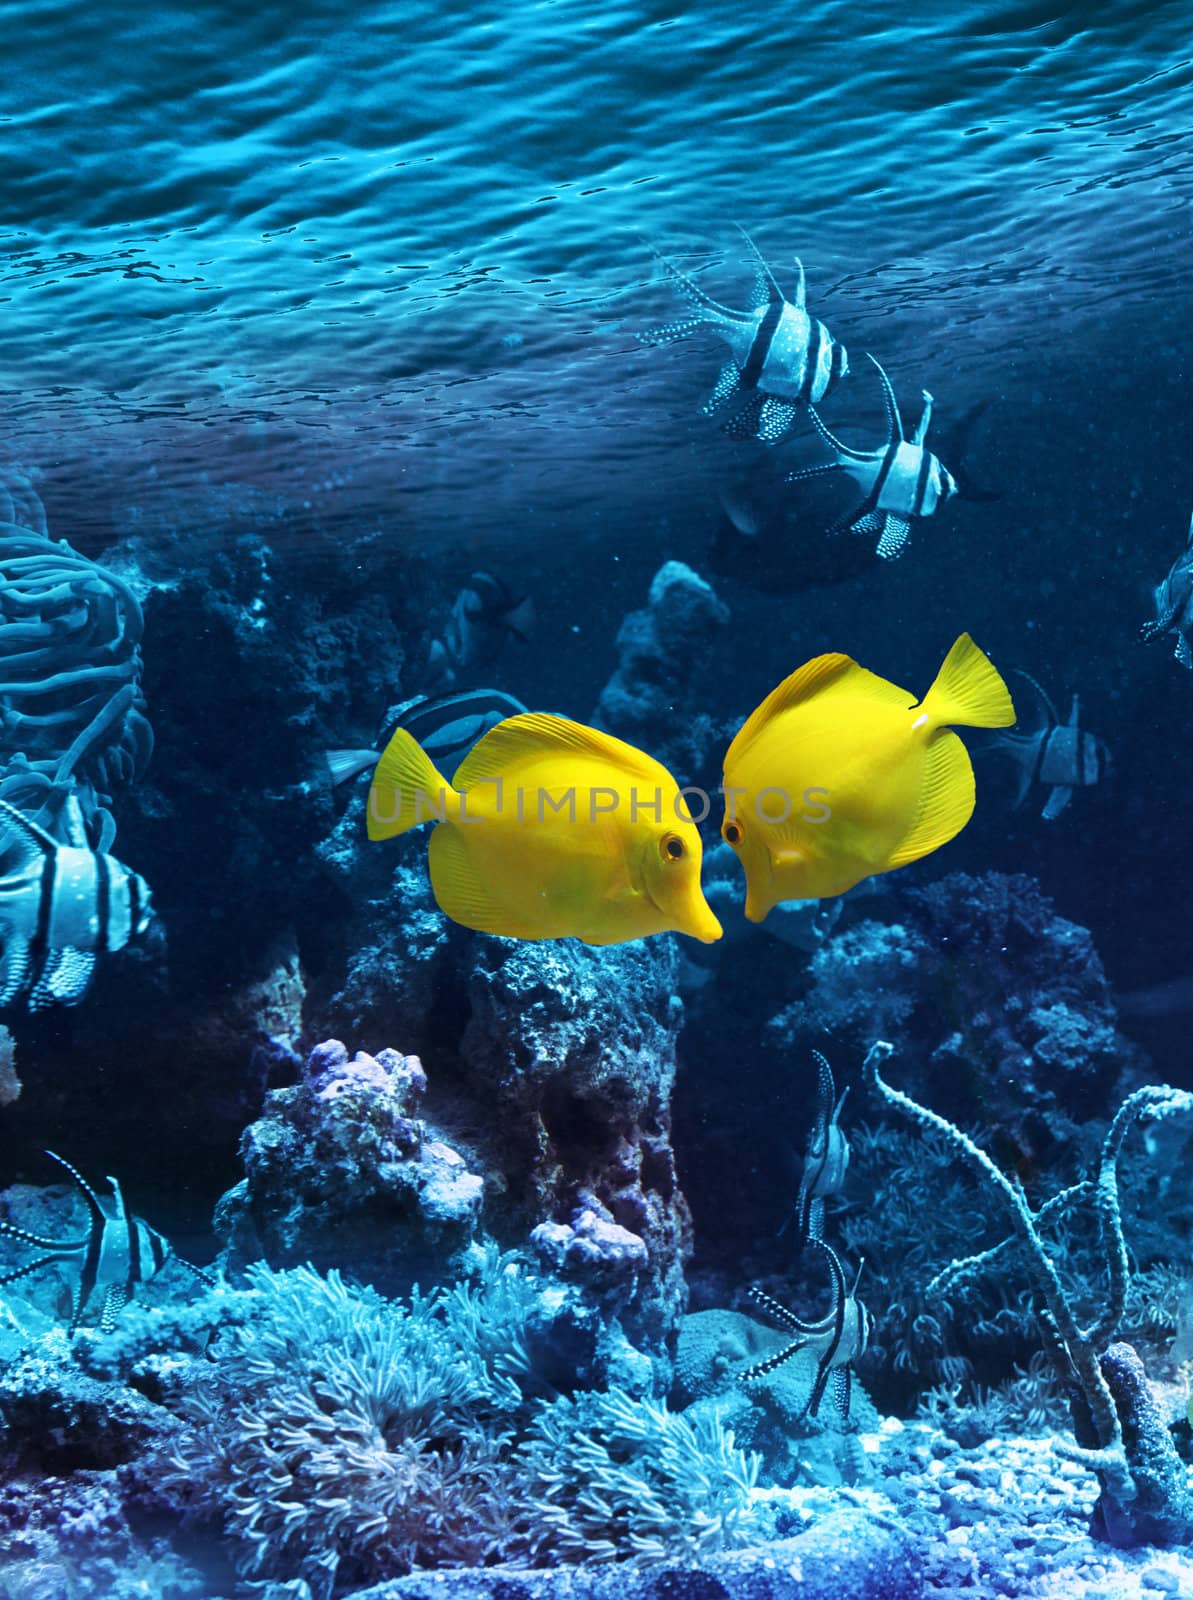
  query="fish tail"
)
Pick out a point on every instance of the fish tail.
point(407, 790)
point(969, 691)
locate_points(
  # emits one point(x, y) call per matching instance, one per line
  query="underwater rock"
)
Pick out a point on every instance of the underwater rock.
point(396, 956)
point(569, 1056)
point(998, 1006)
point(844, 1554)
point(649, 699)
point(340, 1169)
point(64, 1420)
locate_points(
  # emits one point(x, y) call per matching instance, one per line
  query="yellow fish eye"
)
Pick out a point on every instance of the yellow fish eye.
point(672, 847)
point(731, 832)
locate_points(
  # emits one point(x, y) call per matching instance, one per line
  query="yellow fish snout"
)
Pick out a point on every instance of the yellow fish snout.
point(702, 923)
point(672, 879)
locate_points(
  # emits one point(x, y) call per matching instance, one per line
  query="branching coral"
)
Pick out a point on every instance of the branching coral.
point(1144, 1494)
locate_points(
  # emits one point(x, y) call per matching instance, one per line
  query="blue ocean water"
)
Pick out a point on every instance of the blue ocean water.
point(312, 314)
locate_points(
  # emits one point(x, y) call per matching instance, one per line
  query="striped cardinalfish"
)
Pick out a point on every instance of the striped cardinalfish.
point(61, 906)
point(901, 481)
point(1054, 755)
point(116, 1254)
point(781, 358)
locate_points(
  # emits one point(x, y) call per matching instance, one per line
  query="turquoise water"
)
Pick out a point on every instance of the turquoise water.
point(398, 256)
point(308, 319)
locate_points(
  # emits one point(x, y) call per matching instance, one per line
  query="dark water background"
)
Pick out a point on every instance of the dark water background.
point(305, 273)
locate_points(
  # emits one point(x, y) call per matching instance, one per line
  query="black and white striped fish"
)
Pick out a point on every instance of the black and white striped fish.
point(61, 906)
point(1058, 756)
point(827, 1156)
point(901, 482)
point(838, 1339)
point(1174, 605)
point(118, 1252)
point(446, 725)
point(782, 358)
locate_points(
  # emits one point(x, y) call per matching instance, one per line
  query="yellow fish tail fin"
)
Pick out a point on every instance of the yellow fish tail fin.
point(968, 691)
point(946, 802)
point(407, 790)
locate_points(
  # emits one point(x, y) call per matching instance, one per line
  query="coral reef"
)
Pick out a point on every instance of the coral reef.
point(1145, 1495)
point(650, 699)
point(340, 1168)
point(569, 1059)
point(999, 1007)
point(343, 1438)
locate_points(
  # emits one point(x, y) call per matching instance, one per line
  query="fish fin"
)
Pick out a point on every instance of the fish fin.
point(946, 801)
point(459, 893)
point(888, 399)
point(1050, 716)
point(766, 285)
point(519, 620)
point(345, 764)
point(64, 980)
point(841, 1391)
point(14, 969)
point(776, 419)
point(802, 474)
point(706, 309)
point(34, 839)
point(968, 691)
point(1056, 802)
point(827, 674)
point(406, 789)
point(115, 1301)
point(801, 287)
point(1151, 630)
point(895, 532)
point(518, 739)
point(671, 332)
point(1182, 652)
point(727, 384)
point(743, 424)
point(925, 422)
point(833, 443)
point(18, 1273)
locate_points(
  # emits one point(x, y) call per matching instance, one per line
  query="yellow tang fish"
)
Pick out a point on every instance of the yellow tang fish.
point(839, 774)
point(551, 831)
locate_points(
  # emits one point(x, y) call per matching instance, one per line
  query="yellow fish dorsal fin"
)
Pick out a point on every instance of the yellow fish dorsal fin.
point(968, 691)
point(535, 734)
point(946, 800)
point(828, 674)
point(407, 789)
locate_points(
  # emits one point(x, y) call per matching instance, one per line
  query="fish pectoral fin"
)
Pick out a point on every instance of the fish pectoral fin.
point(64, 980)
point(745, 422)
point(946, 802)
point(14, 969)
point(459, 891)
point(968, 691)
point(895, 534)
point(725, 387)
point(1056, 802)
point(776, 419)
